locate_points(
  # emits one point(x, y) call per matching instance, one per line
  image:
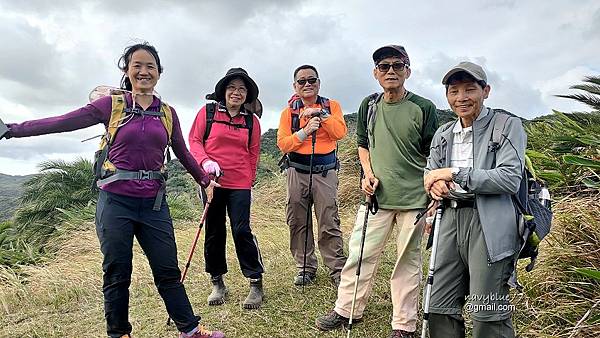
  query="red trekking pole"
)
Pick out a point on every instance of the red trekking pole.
point(193, 248)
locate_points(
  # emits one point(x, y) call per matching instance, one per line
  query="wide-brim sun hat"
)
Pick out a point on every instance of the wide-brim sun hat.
point(252, 104)
point(219, 94)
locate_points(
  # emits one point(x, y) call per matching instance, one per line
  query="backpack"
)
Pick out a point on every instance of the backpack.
point(532, 202)
point(295, 105)
point(374, 99)
point(104, 171)
point(211, 109)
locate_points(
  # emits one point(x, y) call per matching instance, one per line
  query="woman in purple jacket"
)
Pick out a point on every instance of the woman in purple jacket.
point(126, 207)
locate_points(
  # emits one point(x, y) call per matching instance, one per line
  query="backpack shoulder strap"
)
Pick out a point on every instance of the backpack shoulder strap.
point(167, 119)
point(499, 124)
point(211, 109)
point(249, 125)
point(117, 115)
point(373, 101)
point(295, 107)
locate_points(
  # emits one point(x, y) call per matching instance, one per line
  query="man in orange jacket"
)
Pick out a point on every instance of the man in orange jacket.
point(309, 115)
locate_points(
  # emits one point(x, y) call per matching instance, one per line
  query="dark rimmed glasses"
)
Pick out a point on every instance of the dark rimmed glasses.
point(311, 80)
point(396, 66)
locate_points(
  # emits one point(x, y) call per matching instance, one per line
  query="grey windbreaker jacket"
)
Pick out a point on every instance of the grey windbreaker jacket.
point(495, 176)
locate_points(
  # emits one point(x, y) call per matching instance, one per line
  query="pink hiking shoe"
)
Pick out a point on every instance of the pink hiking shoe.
point(203, 333)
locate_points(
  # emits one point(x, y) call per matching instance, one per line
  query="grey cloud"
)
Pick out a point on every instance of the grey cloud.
point(27, 59)
point(507, 92)
point(223, 13)
point(593, 32)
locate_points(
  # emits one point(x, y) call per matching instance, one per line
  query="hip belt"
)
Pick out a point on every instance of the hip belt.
point(458, 204)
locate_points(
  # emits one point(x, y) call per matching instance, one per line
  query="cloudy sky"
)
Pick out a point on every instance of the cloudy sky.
point(54, 52)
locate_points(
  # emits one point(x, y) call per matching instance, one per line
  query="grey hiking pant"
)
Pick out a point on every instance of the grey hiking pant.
point(464, 278)
point(324, 194)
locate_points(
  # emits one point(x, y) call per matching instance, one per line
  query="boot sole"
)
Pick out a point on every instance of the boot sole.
point(217, 302)
point(254, 306)
point(339, 327)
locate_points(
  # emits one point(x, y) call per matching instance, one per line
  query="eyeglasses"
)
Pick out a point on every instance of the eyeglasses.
point(312, 80)
point(385, 67)
point(241, 90)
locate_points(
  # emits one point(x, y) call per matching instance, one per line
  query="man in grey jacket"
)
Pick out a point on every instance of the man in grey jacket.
point(479, 237)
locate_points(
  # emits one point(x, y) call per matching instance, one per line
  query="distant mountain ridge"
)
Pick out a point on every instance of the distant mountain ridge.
point(268, 141)
point(11, 188)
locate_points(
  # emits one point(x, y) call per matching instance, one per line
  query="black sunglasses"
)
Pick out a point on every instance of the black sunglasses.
point(385, 67)
point(312, 80)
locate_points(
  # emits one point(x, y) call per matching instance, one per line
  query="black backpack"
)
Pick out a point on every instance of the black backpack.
point(211, 109)
point(532, 202)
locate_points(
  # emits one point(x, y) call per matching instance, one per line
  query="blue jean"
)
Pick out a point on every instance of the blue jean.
point(118, 219)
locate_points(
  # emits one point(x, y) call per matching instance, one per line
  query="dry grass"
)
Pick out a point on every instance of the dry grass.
point(63, 298)
point(555, 297)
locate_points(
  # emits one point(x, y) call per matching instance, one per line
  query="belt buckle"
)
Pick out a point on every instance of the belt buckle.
point(453, 204)
point(144, 175)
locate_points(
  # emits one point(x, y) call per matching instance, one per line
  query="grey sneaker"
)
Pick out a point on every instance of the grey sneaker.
point(256, 295)
point(402, 334)
point(304, 279)
point(332, 321)
point(219, 291)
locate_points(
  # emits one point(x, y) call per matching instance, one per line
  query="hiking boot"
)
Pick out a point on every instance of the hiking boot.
point(332, 321)
point(203, 333)
point(219, 291)
point(336, 281)
point(256, 295)
point(304, 279)
point(402, 334)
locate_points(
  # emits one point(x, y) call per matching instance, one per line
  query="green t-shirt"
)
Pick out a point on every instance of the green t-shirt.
point(401, 134)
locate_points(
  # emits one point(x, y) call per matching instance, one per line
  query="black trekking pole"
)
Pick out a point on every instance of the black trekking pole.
point(370, 206)
point(436, 233)
point(309, 206)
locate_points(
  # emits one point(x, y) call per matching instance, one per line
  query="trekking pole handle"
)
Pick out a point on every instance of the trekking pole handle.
point(371, 204)
point(423, 213)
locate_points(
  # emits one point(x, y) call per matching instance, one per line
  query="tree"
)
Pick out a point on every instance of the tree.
point(591, 97)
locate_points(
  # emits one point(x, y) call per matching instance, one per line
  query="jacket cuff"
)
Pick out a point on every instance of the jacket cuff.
point(301, 135)
point(205, 181)
point(462, 177)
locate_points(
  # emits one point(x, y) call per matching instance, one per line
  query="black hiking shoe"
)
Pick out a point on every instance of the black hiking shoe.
point(219, 291)
point(402, 334)
point(304, 279)
point(256, 295)
point(336, 281)
point(332, 321)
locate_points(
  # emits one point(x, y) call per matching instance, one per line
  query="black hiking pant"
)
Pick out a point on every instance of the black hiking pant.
point(118, 219)
point(236, 202)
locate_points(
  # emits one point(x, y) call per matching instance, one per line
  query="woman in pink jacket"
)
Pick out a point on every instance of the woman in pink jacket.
point(225, 138)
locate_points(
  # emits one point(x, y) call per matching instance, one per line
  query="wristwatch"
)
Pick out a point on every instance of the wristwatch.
point(455, 172)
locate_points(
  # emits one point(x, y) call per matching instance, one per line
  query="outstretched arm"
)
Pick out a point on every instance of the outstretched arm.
point(89, 115)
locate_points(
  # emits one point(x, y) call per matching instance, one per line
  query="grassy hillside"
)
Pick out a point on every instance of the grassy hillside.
point(63, 296)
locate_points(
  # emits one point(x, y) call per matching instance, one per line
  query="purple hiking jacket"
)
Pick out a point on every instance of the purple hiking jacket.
point(138, 145)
